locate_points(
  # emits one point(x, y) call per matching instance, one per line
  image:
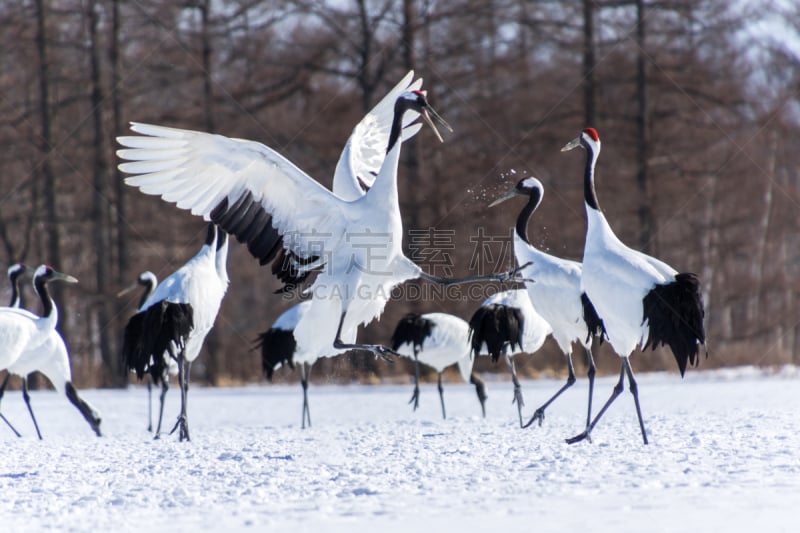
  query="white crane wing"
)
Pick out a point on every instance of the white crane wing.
point(247, 188)
point(363, 155)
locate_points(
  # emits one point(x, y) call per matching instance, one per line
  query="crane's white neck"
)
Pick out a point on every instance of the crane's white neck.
point(384, 190)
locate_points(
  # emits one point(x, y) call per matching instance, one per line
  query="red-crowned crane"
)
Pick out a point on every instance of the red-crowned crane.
point(177, 317)
point(437, 340)
point(507, 324)
point(555, 292)
point(285, 216)
point(278, 347)
point(31, 343)
point(641, 300)
point(358, 165)
point(148, 281)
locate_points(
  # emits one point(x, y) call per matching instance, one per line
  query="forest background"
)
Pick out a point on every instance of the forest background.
point(696, 101)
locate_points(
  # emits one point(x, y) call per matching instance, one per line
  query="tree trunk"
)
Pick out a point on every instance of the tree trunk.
point(588, 63)
point(646, 223)
point(114, 375)
point(119, 184)
point(52, 225)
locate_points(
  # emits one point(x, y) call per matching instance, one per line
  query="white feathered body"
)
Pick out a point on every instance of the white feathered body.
point(197, 283)
point(616, 279)
point(447, 344)
point(21, 331)
point(555, 292)
point(49, 357)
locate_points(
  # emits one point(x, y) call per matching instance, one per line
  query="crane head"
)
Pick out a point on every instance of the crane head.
point(525, 187)
point(48, 274)
point(588, 139)
point(418, 101)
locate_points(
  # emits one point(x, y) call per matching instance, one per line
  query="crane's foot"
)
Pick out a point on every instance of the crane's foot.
point(378, 350)
point(538, 416)
point(415, 398)
point(585, 435)
point(387, 354)
point(183, 424)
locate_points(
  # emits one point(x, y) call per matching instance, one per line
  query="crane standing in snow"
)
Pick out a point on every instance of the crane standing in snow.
point(642, 300)
point(278, 347)
point(177, 317)
point(507, 324)
point(437, 340)
point(149, 281)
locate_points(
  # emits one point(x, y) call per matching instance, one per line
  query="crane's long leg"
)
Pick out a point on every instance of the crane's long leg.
point(2, 391)
point(503, 277)
point(590, 373)
point(517, 388)
point(539, 413)
point(480, 390)
point(184, 367)
point(150, 404)
point(305, 374)
point(618, 388)
point(441, 396)
point(161, 398)
point(377, 349)
point(27, 398)
point(415, 395)
point(635, 391)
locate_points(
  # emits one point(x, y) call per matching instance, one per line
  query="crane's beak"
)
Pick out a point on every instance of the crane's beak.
point(430, 115)
point(64, 277)
point(574, 143)
point(127, 289)
point(507, 196)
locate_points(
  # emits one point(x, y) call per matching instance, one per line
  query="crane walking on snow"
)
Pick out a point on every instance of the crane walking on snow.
point(507, 324)
point(438, 340)
point(556, 293)
point(32, 343)
point(642, 300)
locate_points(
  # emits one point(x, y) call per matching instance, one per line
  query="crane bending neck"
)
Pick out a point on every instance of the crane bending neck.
point(524, 217)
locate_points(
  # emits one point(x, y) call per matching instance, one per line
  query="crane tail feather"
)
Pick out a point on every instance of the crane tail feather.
point(674, 314)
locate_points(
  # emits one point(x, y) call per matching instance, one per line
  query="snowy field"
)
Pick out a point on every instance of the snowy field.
point(724, 456)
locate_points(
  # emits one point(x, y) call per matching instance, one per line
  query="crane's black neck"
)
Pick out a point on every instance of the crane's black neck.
point(15, 292)
point(223, 238)
point(589, 194)
point(211, 233)
point(534, 198)
point(400, 107)
point(40, 284)
point(149, 287)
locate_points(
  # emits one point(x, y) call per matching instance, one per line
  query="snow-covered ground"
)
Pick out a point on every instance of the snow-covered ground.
point(724, 456)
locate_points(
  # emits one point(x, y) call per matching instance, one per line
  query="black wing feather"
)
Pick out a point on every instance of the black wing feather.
point(277, 347)
point(160, 329)
point(674, 313)
point(412, 329)
point(499, 327)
